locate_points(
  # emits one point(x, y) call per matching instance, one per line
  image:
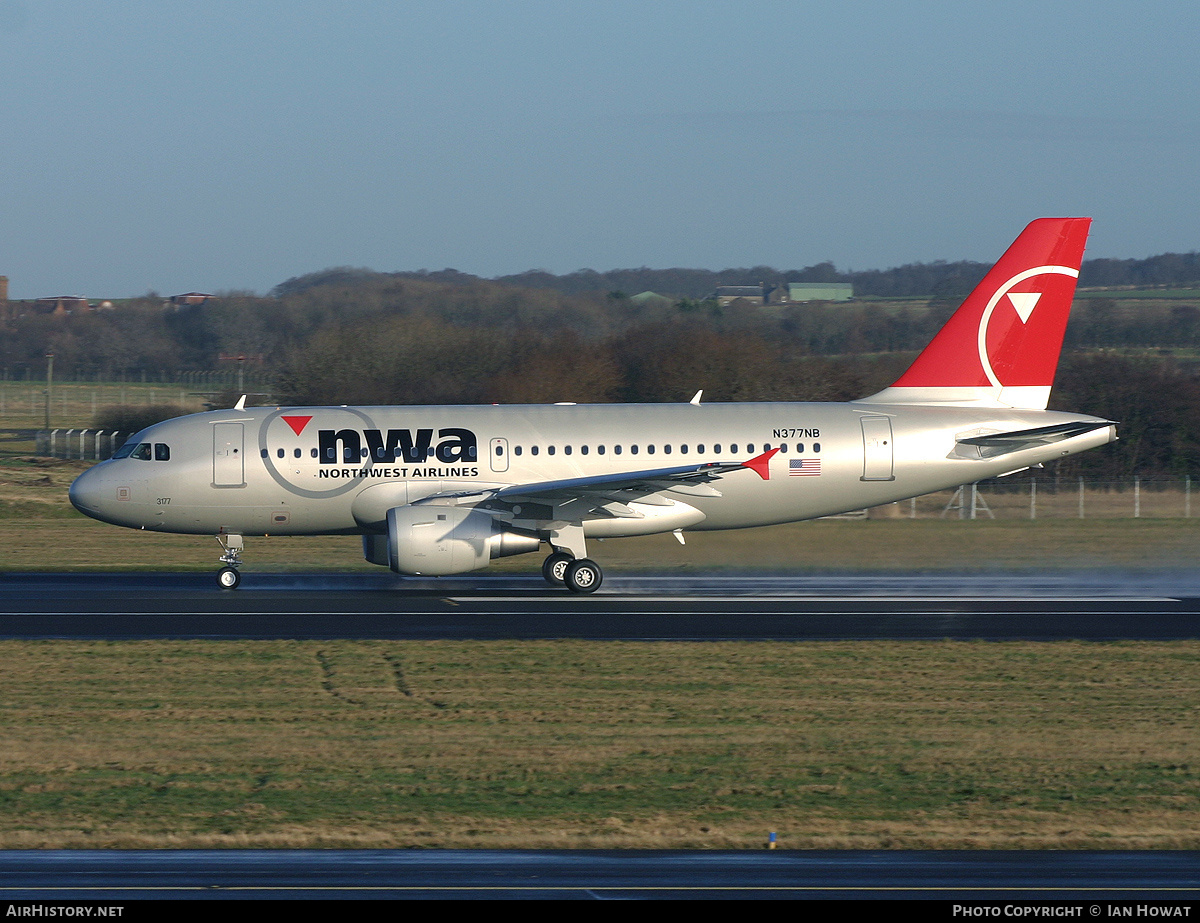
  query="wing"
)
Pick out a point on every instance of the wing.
point(605, 495)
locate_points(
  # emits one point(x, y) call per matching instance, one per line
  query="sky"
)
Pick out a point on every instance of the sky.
point(168, 146)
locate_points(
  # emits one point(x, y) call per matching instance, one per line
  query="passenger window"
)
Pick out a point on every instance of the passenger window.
point(265, 453)
point(517, 450)
point(533, 450)
point(312, 452)
point(616, 450)
point(633, 450)
point(649, 450)
point(816, 447)
point(296, 453)
point(666, 450)
point(566, 450)
point(279, 453)
point(162, 451)
point(550, 450)
point(800, 448)
point(599, 450)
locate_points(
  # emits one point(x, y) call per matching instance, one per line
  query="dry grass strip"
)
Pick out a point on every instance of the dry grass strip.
point(591, 744)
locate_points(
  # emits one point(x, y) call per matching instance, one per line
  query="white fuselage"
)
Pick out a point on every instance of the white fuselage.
point(327, 470)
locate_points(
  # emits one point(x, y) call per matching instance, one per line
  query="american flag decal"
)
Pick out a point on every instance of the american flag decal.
point(804, 467)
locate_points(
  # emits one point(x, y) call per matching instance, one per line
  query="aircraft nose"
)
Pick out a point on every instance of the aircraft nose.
point(85, 493)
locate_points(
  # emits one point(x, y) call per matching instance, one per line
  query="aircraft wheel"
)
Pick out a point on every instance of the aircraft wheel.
point(583, 576)
point(554, 568)
point(229, 578)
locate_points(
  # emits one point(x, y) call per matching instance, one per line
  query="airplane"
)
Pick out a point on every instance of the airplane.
point(445, 490)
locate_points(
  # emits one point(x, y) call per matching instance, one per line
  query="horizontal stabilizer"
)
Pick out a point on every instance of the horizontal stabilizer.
point(992, 445)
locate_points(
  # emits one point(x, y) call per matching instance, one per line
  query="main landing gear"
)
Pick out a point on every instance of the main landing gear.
point(228, 576)
point(579, 575)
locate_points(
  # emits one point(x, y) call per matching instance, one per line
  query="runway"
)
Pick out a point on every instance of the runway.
point(1102, 879)
point(707, 607)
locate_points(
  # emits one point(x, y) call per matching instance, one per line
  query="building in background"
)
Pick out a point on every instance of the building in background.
point(189, 298)
point(820, 291)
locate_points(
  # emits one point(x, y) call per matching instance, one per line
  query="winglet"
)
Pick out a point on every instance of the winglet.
point(696, 400)
point(758, 464)
point(241, 404)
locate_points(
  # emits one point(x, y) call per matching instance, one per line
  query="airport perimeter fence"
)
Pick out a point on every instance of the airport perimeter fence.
point(84, 444)
point(1055, 498)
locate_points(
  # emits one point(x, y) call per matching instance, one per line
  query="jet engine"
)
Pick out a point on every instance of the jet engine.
point(439, 540)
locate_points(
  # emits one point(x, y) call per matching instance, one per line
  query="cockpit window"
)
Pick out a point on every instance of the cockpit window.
point(144, 451)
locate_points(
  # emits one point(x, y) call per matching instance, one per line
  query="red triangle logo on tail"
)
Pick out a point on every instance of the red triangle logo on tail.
point(297, 423)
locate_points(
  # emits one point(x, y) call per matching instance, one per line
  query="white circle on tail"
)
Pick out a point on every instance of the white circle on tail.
point(1022, 302)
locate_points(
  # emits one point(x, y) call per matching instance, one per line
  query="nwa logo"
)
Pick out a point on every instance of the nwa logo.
point(413, 446)
point(353, 449)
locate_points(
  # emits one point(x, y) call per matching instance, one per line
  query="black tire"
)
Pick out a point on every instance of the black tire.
point(554, 568)
point(583, 576)
point(229, 578)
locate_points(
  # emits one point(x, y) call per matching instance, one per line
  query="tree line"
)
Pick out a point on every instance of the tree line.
point(142, 337)
point(937, 280)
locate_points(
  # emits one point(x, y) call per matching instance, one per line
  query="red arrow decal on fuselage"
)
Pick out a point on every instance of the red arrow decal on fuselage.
point(758, 464)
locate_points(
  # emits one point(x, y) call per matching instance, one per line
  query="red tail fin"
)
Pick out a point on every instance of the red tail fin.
point(1001, 346)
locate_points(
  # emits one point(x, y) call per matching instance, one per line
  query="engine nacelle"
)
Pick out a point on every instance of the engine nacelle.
point(439, 540)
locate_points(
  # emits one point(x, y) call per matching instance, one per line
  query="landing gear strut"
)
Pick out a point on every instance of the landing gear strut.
point(228, 576)
point(569, 565)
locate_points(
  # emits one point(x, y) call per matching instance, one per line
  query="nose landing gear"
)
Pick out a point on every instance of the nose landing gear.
point(228, 577)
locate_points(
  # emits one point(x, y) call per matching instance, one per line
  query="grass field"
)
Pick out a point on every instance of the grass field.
point(578, 744)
